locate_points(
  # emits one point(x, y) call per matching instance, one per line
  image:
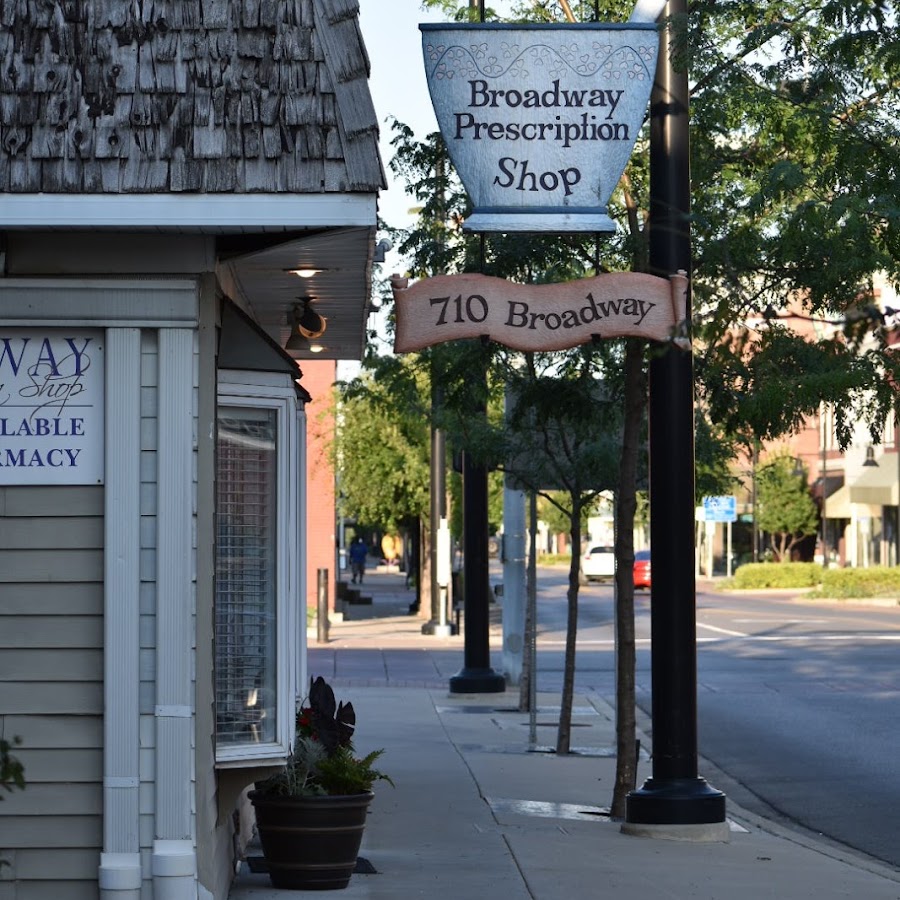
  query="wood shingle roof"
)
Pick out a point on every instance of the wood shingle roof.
point(185, 96)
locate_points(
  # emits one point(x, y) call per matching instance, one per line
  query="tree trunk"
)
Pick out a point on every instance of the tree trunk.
point(524, 678)
point(423, 584)
point(626, 503)
point(564, 734)
point(528, 682)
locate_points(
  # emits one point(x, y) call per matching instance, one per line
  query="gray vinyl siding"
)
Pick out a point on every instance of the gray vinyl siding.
point(51, 669)
point(51, 688)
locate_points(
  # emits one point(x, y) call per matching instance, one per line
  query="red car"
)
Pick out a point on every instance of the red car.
point(642, 569)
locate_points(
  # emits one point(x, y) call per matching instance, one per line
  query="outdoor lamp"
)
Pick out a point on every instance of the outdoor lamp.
point(306, 324)
point(870, 456)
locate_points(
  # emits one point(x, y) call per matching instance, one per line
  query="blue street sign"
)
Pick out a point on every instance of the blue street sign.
point(720, 509)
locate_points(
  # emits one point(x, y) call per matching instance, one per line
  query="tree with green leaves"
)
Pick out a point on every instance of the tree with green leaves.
point(560, 439)
point(381, 448)
point(786, 509)
point(795, 155)
point(381, 445)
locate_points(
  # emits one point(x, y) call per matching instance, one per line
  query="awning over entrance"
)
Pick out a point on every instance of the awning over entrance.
point(833, 483)
point(838, 506)
point(876, 485)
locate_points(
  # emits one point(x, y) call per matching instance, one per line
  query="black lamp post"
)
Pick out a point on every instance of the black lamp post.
point(675, 795)
point(476, 676)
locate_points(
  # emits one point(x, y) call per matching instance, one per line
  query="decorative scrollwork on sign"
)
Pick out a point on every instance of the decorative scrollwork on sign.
point(466, 62)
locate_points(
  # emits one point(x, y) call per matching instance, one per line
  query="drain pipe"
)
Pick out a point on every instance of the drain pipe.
point(173, 861)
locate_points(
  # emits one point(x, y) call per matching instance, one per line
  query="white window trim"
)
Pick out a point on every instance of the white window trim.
point(277, 394)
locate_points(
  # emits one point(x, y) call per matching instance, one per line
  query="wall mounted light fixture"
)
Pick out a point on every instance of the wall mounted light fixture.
point(307, 321)
point(306, 325)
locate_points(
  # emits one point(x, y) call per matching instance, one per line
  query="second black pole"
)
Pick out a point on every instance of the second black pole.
point(476, 676)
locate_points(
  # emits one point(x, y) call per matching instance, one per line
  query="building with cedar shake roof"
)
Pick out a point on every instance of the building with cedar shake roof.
point(188, 196)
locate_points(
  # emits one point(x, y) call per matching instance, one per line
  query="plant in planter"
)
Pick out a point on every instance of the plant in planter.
point(311, 815)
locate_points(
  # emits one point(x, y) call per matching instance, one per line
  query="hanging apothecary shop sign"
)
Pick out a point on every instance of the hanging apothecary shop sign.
point(51, 406)
point(540, 120)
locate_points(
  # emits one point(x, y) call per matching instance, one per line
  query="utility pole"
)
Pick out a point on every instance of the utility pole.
point(675, 801)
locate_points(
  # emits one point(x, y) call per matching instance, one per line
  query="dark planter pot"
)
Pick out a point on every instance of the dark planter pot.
point(311, 843)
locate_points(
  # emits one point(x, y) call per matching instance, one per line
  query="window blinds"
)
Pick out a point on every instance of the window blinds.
point(246, 657)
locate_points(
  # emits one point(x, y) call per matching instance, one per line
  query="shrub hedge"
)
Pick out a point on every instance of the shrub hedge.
point(753, 576)
point(880, 581)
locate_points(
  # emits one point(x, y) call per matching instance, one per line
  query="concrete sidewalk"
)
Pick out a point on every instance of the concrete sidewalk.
point(477, 813)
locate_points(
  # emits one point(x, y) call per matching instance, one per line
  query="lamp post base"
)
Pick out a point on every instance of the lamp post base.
point(713, 833)
point(673, 803)
point(438, 629)
point(477, 681)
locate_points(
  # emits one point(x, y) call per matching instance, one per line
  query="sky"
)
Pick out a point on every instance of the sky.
point(393, 41)
point(390, 30)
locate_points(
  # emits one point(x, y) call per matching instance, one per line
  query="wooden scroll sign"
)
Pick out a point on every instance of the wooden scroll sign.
point(536, 317)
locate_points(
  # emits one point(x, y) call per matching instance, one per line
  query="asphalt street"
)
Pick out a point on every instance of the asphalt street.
point(796, 703)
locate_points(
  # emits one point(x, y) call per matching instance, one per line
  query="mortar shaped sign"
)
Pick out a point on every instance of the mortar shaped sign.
point(538, 317)
point(540, 120)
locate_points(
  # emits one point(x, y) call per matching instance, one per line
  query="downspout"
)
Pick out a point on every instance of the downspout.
point(174, 859)
point(119, 874)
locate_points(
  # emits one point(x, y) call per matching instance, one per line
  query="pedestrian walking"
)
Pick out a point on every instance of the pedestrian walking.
point(358, 553)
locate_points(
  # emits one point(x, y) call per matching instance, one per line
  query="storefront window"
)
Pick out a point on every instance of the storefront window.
point(246, 613)
point(257, 637)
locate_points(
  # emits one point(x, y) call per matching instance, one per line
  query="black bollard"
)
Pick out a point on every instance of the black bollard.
point(322, 609)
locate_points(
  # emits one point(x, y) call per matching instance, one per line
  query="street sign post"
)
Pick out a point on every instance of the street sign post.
point(720, 509)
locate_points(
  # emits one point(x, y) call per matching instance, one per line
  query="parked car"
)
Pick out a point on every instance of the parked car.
point(642, 569)
point(598, 563)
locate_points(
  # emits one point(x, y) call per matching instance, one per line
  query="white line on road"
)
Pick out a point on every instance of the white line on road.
point(727, 631)
point(777, 621)
point(759, 638)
